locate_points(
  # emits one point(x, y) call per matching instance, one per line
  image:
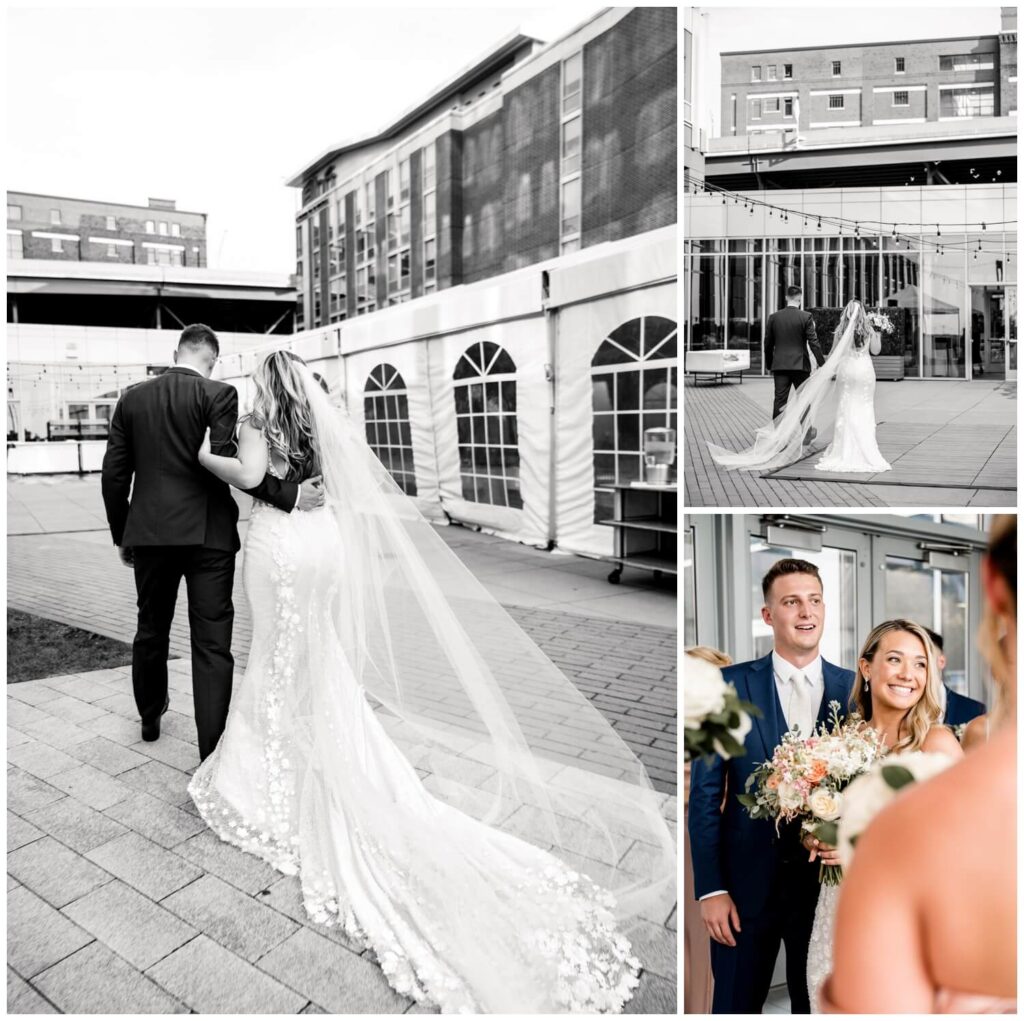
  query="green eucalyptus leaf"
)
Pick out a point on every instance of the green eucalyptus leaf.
point(897, 776)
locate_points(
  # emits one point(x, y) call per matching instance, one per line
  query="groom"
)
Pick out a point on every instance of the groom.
point(179, 521)
point(788, 335)
point(756, 889)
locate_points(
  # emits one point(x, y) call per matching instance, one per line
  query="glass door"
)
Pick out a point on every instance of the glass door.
point(988, 332)
point(932, 588)
point(1011, 332)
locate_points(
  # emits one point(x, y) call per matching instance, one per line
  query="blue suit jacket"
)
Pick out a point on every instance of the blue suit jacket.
point(730, 850)
point(961, 709)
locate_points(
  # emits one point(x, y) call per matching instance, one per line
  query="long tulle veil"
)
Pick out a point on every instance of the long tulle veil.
point(489, 722)
point(813, 404)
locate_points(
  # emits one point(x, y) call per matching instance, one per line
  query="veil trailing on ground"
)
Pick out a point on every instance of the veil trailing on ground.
point(492, 726)
point(812, 405)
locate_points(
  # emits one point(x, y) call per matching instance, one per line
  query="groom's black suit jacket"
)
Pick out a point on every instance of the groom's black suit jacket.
point(788, 335)
point(155, 435)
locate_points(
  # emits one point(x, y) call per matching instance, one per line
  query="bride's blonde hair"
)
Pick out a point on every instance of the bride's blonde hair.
point(863, 330)
point(927, 711)
point(282, 411)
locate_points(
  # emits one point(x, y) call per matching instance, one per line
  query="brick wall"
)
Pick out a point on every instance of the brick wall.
point(449, 209)
point(630, 127)
point(416, 224)
point(483, 198)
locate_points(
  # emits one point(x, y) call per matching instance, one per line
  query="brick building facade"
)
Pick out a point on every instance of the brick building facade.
point(904, 82)
point(81, 230)
point(532, 152)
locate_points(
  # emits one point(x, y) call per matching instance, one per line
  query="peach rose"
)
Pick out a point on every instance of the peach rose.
point(818, 771)
point(773, 782)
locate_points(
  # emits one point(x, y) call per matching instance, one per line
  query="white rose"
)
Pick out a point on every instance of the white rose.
point(790, 799)
point(703, 691)
point(826, 804)
point(737, 733)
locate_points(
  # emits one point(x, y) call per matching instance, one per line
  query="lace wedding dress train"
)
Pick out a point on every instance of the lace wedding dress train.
point(819, 950)
point(460, 914)
point(854, 447)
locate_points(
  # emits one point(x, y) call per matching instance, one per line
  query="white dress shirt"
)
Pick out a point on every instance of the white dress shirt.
point(786, 677)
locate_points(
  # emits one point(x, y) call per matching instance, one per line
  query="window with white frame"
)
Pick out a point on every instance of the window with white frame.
point(111, 251)
point(837, 102)
point(429, 167)
point(755, 110)
point(771, 105)
point(967, 101)
point(150, 227)
point(15, 245)
point(773, 73)
point(571, 149)
point(485, 418)
point(633, 384)
point(162, 228)
point(966, 62)
point(755, 72)
point(111, 223)
point(837, 68)
point(788, 108)
point(901, 65)
point(901, 98)
point(388, 432)
point(787, 70)
point(55, 216)
point(167, 256)
point(175, 230)
point(13, 212)
point(56, 246)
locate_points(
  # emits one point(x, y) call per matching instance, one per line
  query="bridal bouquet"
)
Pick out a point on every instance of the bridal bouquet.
point(880, 321)
point(715, 719)
point(876, 788)
point(805, 779)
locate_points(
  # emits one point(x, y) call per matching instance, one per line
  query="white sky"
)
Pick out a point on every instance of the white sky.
point(217, 107)
point(763, 27)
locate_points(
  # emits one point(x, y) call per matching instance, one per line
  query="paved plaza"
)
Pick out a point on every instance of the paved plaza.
point(121, 900)
point(951, 444)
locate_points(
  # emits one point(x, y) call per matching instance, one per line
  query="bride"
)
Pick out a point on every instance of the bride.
point(897, 691)
point(443, 792)
point(844, 387)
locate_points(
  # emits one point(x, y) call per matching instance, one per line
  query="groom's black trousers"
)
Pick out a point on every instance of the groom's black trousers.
point(783, 381)
point(209, 576)
point(743, 974)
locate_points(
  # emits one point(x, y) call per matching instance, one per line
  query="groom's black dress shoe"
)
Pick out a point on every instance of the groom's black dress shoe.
point(151, 731)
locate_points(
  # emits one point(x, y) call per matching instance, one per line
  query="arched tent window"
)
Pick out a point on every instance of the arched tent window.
point(386, 410)
point(485, 414)
point(634, 375)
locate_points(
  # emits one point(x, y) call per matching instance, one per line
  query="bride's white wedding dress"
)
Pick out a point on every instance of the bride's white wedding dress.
point(819, 950)
point(854, 447)
point(308, 776)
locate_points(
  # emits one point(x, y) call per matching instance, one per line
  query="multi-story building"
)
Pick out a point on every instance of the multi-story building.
point(530, 153)
point(82, 230)
point(859, 84)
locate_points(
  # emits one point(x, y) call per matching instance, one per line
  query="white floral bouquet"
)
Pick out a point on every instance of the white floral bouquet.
point(805, 779)
point(877, 788)
point(715, 719)
point(880, 321)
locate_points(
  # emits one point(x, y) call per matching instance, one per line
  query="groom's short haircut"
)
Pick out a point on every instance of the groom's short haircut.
point(793, 291)
point(789, 565)
point(935, 637)
point(199, 335)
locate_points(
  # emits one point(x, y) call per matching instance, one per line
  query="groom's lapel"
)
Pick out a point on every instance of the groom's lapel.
point(836, 690)
point(761, 691)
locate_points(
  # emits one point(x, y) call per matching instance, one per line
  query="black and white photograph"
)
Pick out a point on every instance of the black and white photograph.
point(850, 730)
point(342, 446)
point(850, 255)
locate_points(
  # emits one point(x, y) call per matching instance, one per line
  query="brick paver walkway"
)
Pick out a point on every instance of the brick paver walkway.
point(950, 444)
point(121, 900)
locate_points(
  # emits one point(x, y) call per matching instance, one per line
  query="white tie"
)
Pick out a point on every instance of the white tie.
point(802, 711)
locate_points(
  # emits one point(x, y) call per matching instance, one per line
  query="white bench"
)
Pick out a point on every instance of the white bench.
point(717, 363)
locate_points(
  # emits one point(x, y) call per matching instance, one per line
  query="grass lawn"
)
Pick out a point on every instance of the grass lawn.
point(37, 647)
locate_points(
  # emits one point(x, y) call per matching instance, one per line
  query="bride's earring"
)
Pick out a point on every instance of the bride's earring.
point(867, 683)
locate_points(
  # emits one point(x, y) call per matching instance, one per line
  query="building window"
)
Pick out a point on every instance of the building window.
point(968, 101)
point(572, 83)
point(13, 212)
point(298, 241)
point(55, 216)
point(111, 251)
point(755, 73)
point(163, 227)
point(901, 65)
point(56, 246)
point(403, 181)
point(901, 99)
point(787, 70)
point(789, 108)
point(165, 256)
point(175, 230)
point(771, 105)
point(485, 417)
point(111, 224)
point(15, 245)
point(755, 110)
point(633, 382)
point(429, 261)
point(388, 432)
point(966, 62)
point(837, 102)
point(837, 68)
point(150, 227)
point(772, 73)
point(429, 219)
point(572, 139)
point(429, 166)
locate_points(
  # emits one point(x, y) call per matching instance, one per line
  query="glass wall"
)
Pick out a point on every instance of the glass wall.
point(746, 300)
point(901, 288)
